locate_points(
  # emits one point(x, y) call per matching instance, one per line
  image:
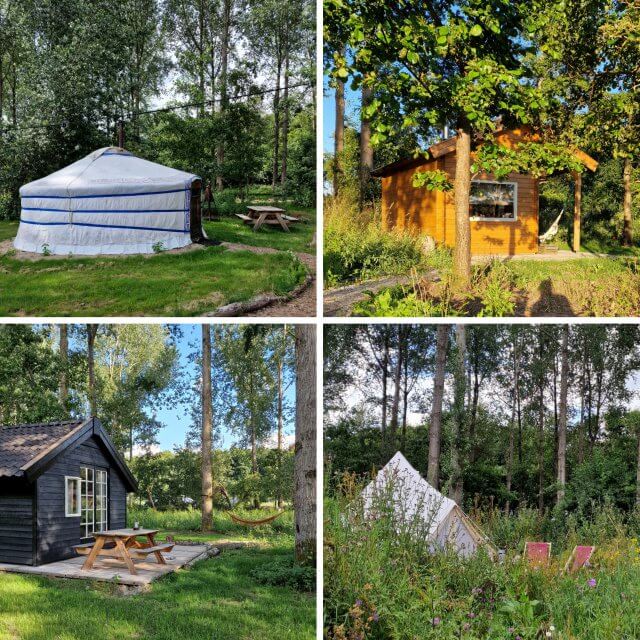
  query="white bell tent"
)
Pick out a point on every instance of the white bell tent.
point(110, 202)
point(440, 520)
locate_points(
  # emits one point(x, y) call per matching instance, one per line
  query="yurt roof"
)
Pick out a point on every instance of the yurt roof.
point(110, 170)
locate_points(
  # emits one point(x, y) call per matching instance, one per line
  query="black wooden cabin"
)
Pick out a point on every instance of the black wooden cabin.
point(59, 483)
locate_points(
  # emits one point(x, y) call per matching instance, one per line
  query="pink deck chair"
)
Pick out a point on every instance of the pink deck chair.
point(578, 558)
point(537, 553)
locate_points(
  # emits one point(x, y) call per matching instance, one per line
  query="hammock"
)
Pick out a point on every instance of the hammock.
point(254, 523)
point(243, 521)
point(553, 230)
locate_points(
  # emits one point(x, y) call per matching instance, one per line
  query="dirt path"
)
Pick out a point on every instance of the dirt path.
point(302, 306)
point(339, 302)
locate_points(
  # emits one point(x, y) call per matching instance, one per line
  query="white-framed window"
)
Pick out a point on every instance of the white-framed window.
point(101, 501)
point(493, 201)
point(88, 502)
point(71, 497)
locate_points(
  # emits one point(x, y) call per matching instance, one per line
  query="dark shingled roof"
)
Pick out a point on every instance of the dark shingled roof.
point(22, 444)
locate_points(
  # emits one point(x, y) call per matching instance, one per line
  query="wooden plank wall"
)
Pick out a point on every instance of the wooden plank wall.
point(433, 213)
point(56, 532)
point(16, 523)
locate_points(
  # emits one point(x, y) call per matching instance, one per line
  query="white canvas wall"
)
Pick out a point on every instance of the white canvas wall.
point(109, 202)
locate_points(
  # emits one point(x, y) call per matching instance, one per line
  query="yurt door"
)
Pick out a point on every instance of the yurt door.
point(196, 212)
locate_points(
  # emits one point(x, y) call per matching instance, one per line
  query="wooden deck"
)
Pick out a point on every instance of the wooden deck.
point(110, 570)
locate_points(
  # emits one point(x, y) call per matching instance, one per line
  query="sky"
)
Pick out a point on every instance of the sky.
point(177, 420)
point(352, 109)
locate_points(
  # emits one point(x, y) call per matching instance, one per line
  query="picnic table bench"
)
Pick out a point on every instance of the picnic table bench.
point(259, 215)
point(123, 544)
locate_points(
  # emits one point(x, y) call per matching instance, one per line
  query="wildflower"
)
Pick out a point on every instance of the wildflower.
point(466, 626)
point(510, 630)
point(471, 615)
point(551, 628)
point(358, 603)
point(375, 616)
point(592, 582)
point(435, 622)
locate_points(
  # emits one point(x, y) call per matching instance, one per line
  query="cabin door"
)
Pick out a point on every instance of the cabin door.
point(94, 501)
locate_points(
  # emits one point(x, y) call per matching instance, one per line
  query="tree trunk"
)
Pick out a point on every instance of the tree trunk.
point(397, 382)
point(207, 431)
point(562, 418)
point(435, 425)
point(583, 391)
point(92, 329)
point(473, 446)
point(366, 151)
point(458, 422)
point(627, 231)
point(541, 382)
point(224, 66)
point(280, 394)
point(405, 399)
point(304, 501)
point(64, 364)
point(385, 375)
point(276, 125)
point(514, 405)
point(462, 191)
point(285, 119)
point(339, 137)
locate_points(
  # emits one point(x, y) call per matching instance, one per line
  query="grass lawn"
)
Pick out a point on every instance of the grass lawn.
point(217, 599)
point(8, 229)
point(232, 229)
point(165, 284)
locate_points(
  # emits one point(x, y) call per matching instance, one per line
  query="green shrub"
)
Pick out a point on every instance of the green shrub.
point(190, 520)
point(229, 202)
point(285, 573)
point(357, 248)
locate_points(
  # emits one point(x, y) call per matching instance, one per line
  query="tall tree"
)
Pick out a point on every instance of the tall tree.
point(459, 418)
point(64, 363)
point(207, 432)
point(562, 418)
point(92, 330)
point(435, 424)
point(304, 500)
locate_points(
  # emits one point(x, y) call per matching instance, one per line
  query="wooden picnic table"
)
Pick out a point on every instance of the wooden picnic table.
point(126, 543)
point(260, 214)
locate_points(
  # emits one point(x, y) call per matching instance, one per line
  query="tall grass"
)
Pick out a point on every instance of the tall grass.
point(357, 248)
point(379, 586)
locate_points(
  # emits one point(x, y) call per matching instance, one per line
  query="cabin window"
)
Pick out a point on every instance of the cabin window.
point(94, 501)
point(493, 200)
point(71, 497)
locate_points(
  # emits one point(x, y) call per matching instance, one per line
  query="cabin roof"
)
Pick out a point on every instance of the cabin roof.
point(445, 147)
point(28, 450)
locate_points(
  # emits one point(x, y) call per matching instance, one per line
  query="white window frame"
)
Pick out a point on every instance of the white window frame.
point(515, 203)
point(78, 484)
point(101, 524)
point(88, 517)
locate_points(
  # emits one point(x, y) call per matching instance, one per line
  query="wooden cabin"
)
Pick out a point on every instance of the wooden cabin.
point(503, 214)
point(59, 483)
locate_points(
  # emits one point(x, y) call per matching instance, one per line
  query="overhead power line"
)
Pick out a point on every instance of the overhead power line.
point(128, 115)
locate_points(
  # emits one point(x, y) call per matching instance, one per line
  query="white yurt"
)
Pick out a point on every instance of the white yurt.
point(415, 500)
point(110, 202)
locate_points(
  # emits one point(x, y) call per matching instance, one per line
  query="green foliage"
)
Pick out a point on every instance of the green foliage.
point(356, 247)
point(400, 302)
point(432, 180)
point(285, 573)
point(190, 520)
